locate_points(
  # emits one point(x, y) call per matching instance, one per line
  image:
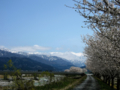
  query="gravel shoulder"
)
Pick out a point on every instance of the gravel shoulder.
point(89, 84)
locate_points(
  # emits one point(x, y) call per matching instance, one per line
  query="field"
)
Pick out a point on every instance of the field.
point(68, 82)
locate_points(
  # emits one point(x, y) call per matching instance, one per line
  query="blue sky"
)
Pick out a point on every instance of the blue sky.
point(41, 26)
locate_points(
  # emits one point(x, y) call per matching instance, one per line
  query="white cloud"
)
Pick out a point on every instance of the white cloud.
point(4, 48)
point(34, 53)
point(72, 56)
point(78, 54)
point(37, 47)
point(34, 48)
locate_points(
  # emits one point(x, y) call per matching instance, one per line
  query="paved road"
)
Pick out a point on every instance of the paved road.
point(89, 84)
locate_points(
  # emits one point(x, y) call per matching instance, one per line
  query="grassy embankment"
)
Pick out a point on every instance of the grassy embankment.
point(103, 85)
point(66, 84)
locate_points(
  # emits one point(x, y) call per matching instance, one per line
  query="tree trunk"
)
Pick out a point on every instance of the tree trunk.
point(112, 82)
point(106, 79)
point(118, 82)
point(109, 81)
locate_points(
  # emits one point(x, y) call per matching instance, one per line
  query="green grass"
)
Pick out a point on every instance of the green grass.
point(103, 85)
point(57, 85)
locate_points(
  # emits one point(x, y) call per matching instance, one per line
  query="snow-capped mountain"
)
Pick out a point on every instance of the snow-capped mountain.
point(5, 53)
point(48, 57)
point(22, 62)
point(79, 62)
point(53, 61)
point(75, 59)
point(60, 61)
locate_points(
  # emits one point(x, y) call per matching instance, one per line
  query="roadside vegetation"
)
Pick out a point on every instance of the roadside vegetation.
point(103, 85)
point(16, 77)
point(65, 84)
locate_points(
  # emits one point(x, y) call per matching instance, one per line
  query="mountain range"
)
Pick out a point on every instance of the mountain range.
point(25, 61)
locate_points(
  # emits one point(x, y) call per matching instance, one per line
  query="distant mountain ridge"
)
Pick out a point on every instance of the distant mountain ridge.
point(57, 62)
point(4, 53)
point(53, 62)
point(24, 63)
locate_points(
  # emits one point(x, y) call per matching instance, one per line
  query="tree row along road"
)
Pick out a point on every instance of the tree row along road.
point(89, 84)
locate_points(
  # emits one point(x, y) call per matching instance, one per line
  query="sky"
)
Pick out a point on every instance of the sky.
point(41, 26)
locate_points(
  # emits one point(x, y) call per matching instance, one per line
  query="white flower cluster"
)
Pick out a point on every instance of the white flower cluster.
point(75, 70)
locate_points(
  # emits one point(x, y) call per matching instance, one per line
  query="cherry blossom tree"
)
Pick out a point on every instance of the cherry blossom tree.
point(75, 70)
point(99, 61)
point(103, 49)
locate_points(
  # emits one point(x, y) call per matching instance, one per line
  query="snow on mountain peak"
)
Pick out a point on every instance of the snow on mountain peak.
point(70, 56)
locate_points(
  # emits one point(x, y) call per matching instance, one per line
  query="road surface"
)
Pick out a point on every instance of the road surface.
point(89, 84)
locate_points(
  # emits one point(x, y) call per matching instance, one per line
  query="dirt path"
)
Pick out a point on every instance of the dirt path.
point(89, 84)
